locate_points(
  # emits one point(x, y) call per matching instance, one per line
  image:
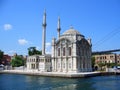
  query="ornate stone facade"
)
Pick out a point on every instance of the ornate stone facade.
point(71, 53)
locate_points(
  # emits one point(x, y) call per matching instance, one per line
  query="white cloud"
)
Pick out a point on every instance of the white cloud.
point(22, 41)
point(7, 27)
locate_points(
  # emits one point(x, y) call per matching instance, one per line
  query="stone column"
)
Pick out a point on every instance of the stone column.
point(53, 54)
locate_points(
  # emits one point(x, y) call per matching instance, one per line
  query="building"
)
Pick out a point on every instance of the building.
point(6, 60)
point(42, 62)
point(39, 62)
point(118, 59)
point(71, 52)
point(107, 59)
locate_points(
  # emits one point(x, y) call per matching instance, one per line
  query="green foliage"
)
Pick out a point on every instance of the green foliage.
point(17, 61)
point(34, 51)
point(1, 55)
point(109, 65)
point(118, 65)
point(101, 64)
point(93, 61)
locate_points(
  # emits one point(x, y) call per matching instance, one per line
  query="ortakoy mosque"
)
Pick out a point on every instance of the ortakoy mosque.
point(71, 52)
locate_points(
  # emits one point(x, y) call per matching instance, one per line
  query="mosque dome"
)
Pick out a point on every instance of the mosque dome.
point(71, 31)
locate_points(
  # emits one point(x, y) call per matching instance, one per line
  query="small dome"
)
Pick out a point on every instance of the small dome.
point(71, 31)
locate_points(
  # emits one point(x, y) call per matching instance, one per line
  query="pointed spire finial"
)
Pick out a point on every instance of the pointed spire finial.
point(44, 18)
point(58, 28)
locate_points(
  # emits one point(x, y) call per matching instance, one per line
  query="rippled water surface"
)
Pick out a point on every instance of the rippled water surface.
point(24, 82)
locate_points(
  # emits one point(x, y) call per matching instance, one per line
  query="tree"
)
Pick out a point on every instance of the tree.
point(17, 61)
point(93, 61)
point(1, 56)
point(101, 65)
point(110, 65)
point(34, 51)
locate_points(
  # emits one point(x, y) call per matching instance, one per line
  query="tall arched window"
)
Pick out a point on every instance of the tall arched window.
point(69, 49)
point(64, 51)
point(58, 51)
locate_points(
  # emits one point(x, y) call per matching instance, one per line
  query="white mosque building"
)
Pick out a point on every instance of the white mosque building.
point(71, 52)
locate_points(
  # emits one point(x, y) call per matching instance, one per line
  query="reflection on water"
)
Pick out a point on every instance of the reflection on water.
point(67, 87)
point(24, 82)
point(107, 82)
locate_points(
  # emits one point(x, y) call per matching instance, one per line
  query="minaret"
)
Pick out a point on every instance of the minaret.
point(44, 33)
point(58, 27)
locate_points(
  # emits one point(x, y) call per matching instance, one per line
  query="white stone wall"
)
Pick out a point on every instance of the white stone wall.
point(40, 63)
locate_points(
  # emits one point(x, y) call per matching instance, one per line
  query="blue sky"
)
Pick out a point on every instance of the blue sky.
point(21, 22)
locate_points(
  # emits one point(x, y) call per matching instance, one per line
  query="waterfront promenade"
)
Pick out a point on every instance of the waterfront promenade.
point(52, 74)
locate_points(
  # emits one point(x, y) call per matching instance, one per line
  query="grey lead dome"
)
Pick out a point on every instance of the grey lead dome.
point(71, 31)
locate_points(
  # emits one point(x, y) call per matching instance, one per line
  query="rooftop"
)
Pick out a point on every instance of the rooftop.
point(71, 31)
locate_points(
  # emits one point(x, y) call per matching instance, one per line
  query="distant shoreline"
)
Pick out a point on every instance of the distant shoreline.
point(59, 74)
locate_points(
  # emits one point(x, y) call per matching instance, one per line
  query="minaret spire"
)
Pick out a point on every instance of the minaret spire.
point(58, 27)
point(44, 33)
point(44, 18)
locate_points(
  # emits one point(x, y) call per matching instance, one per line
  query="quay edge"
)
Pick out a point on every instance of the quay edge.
point(62, 75)
point(53, 74)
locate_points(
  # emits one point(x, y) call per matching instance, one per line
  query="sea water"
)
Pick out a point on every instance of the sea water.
point(25, 82)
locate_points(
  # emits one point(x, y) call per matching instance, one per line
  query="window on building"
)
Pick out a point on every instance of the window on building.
point(37, 60)
point(111, 56)
point(64, 51)
point(33, 66)
point(58, 51)
point(100, 57)
point(69, 51)
point(118, 61)
point(105, 57)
